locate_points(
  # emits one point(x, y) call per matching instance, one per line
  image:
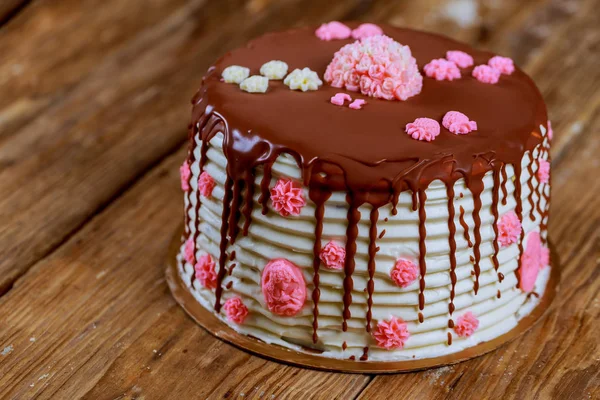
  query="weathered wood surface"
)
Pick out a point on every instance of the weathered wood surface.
point(93, 113)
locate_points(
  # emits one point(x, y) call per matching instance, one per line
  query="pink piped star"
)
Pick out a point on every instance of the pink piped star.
point(458, 123)
point(287, 197)
point(404, 273)
point(206, 184)
point(205, 271)
point(235, 310)
point(333, 255)
point(460, 58)
point(366, 30)
point(333, 30)
point(531, 262)
point(426, 129)
point(184, 174)
point(442, 69)
point(391, 334)
point(466, 324)
point(486, 74)
point(503, 64)
point(543, 172)
point(509, 229)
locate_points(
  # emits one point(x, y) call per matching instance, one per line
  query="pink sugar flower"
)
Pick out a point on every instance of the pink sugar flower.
point(503, 64)
point(509, 229)
point(287, 197)
point(466, 324)
point(531, 262)
point(188, 251)
point(442, 69)
point(206, 184)
point(391, 334)
point(333, 30)
point(460, 58)
point(377, 66)
point(550, 132)
point(283, 287)
point(357, 104)
point(235, 310)
point(404, 273)
point(543, 172)
point(423, 129)
point(366, 30)
point(339, 98)
point(458, 123)
point(333, 255)
point(486, 74)
point(184, 174)
point(205, 271)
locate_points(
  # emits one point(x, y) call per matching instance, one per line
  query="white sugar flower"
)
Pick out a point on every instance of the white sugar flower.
point(235, 74)
point(303, 79)
point(274, 69)
point(255, 84)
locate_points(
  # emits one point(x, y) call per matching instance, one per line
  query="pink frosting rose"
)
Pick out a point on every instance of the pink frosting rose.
point(188, 251)
point(404, 273)
point(333, 30)
point(486, 74)
point(460, 58)
point(206, 184)
point(543, 172)
point(287, 197)
point(458, 123)
point(509, 229)
point(391, 334)
point(184, 174)
point(441, 70)
point(283, 287)
point(425, 129)
point(531, 262)
point(366, 30)
point(503, 64)
point(333, 255)
point(235, 310)
point(205, 271)
point(466, 324)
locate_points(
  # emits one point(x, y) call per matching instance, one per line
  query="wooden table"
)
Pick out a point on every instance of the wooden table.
point(94, 106)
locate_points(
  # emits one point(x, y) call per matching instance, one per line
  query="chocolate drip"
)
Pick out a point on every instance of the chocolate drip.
point(224, 240)
point(265, 193)
point(351, 235)
point(519, 212)
point(476, 187)
point(503, 184)
point(318, 197)
point(452, 244)
point(234, 215)
point(495, 194)
point(232, 256)
point(422, 250)
point(248, 202)
point(231, 267)
point(365, 355)
point(530, 185)
point(449, 339)
point(371, 266)
point(545, 211)
point(465, 226)
point(382, 234)
point(344, 345)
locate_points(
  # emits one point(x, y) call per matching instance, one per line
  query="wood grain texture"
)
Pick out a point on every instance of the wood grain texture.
point(96, 95)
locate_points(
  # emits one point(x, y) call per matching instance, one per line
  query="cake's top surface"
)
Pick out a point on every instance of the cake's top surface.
point(370, 145)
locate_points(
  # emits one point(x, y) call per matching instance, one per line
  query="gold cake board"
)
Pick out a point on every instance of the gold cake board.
point(219, 329)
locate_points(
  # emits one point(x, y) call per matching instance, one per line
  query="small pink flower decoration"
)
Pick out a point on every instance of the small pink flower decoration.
point(404, 273)
point(377, 66)
point(366, 30)
point(423, 129)
point(486, 74)
point(357, 104)
point(503, 64)
point(189, 251)
point(531, 261)
point(545, 257)
point(543, 172)
point(460, 58)
point(391, 334)
point(442, 69)
point(333, 255)
point(550, 131)
point(466, 324)
point(283, 287)
point(458, 123)
point(184, 174)
point(206, 184)
point(509, 229)
point(205, 271)
point(235, 310)
point(333, 30)
point(287, 197)
point(339, 98)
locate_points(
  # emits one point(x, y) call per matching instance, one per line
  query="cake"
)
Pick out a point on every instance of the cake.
point(366, 192)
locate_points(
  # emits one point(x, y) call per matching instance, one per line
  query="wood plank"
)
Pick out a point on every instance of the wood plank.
point(9, 8)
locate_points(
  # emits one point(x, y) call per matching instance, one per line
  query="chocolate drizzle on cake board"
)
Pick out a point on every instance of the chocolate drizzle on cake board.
point(365, 153)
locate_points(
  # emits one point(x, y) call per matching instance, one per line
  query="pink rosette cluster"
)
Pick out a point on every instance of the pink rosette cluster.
point(184, 175)
point(206, 184)
point(543, 173)
point(504, 65)
point(460, 58)
point(391, 334)
point(188, 251)
point(283, 287)
point(441, 70)
point(366, 30)
point(458, 123)
point(377, 66)
point(205, 271)
point(333, 30)
point(425, 129)
point(486, 74)
point(235, 310)
point(509, 229)
point(532, 261)
point(404, 273)
point(466, 324)
point(333, 255)
point(287, 197)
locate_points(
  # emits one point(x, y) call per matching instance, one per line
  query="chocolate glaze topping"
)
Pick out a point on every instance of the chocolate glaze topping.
point(365, 153)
